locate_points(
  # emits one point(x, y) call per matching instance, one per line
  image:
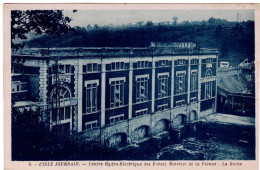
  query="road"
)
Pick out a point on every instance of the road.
point(230, 119)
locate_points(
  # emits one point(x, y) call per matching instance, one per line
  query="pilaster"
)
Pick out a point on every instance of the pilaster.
point(130, 89)
point(78, 73)
point(153, 85)
point(103, 93)
point(172, 85)
point(74, 108)
point(43, 83)
point(216, 86)
point(199, 85)
point(188, 96)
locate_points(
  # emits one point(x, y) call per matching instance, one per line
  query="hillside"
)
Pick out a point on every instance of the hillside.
point(235, 41)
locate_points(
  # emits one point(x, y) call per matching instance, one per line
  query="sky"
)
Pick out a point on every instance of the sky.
point(118, 17)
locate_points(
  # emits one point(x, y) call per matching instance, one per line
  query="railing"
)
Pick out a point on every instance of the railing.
point(107, 51)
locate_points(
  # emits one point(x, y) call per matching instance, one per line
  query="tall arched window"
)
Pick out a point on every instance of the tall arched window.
point(61, 93)
point(208, 73)
point(61, 112)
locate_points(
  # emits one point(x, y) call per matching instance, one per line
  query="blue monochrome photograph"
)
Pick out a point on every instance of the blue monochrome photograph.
point(133, 85)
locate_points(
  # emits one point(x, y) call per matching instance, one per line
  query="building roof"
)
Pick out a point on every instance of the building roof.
point(153, 50)
point(232, 80)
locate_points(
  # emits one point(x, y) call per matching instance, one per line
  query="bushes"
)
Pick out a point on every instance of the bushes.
point(32, 140)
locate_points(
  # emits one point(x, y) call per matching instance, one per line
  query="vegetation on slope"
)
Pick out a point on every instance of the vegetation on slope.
point(232, 39)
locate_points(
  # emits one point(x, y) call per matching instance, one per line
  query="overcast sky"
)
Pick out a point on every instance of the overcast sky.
point(83, 18)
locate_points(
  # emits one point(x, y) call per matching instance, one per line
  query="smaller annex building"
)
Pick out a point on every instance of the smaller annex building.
point(236, 91)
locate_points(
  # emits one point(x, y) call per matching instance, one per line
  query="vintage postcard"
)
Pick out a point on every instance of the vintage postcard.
point(126, 86)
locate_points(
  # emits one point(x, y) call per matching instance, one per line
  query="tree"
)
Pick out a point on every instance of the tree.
point(211, 20)
point(89, 27)
point(175, 20)
point(39, 22)
point(149, 24)
point(96, 27)
point(140, 23)
point(219, 30)
point(27, 133)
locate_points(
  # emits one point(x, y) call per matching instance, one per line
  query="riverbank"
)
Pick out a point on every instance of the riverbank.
point(216, 137)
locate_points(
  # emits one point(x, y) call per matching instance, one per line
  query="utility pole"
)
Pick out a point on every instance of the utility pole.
point(56, 92)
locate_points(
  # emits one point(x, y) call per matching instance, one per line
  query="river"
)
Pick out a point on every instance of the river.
point(199, 146)
point(207, 148)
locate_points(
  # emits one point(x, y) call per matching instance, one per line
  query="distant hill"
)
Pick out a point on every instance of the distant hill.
point(234, 40)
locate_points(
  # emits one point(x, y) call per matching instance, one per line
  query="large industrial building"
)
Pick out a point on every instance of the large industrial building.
point(117, 94)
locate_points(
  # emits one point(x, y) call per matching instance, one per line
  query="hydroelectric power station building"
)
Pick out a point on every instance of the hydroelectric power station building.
point(117, 95)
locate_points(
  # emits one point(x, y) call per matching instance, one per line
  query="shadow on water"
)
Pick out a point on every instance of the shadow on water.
point(207, 142)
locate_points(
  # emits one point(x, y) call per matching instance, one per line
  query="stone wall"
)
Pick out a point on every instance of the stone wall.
point(128, 127)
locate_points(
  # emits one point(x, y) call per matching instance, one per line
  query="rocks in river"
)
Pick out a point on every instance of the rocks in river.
point(181, 154)
point(189, 149)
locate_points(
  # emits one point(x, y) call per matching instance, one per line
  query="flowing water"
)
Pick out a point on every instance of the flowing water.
point(199, 146)
point(207, 148)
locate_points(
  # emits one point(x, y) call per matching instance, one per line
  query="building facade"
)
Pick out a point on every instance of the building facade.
point(117, 94)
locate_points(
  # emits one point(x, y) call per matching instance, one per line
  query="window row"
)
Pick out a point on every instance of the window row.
point(180, 103)
point(181, 79)
point(117, 66)
point(142, 64)
point(62, 69)
point(142, 91)
point(91, 67)
point(162, 63)
point(91, 125)
point(180, 62)
point(209, 60)
point(114, 119)
point(141, 112)
point(194, 61)
point(162, 107)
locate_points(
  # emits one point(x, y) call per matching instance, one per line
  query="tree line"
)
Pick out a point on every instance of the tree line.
point(230, 38)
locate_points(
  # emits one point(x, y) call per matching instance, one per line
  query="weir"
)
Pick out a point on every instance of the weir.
point(215, 122)
point(229, 126)
point(226, 119)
